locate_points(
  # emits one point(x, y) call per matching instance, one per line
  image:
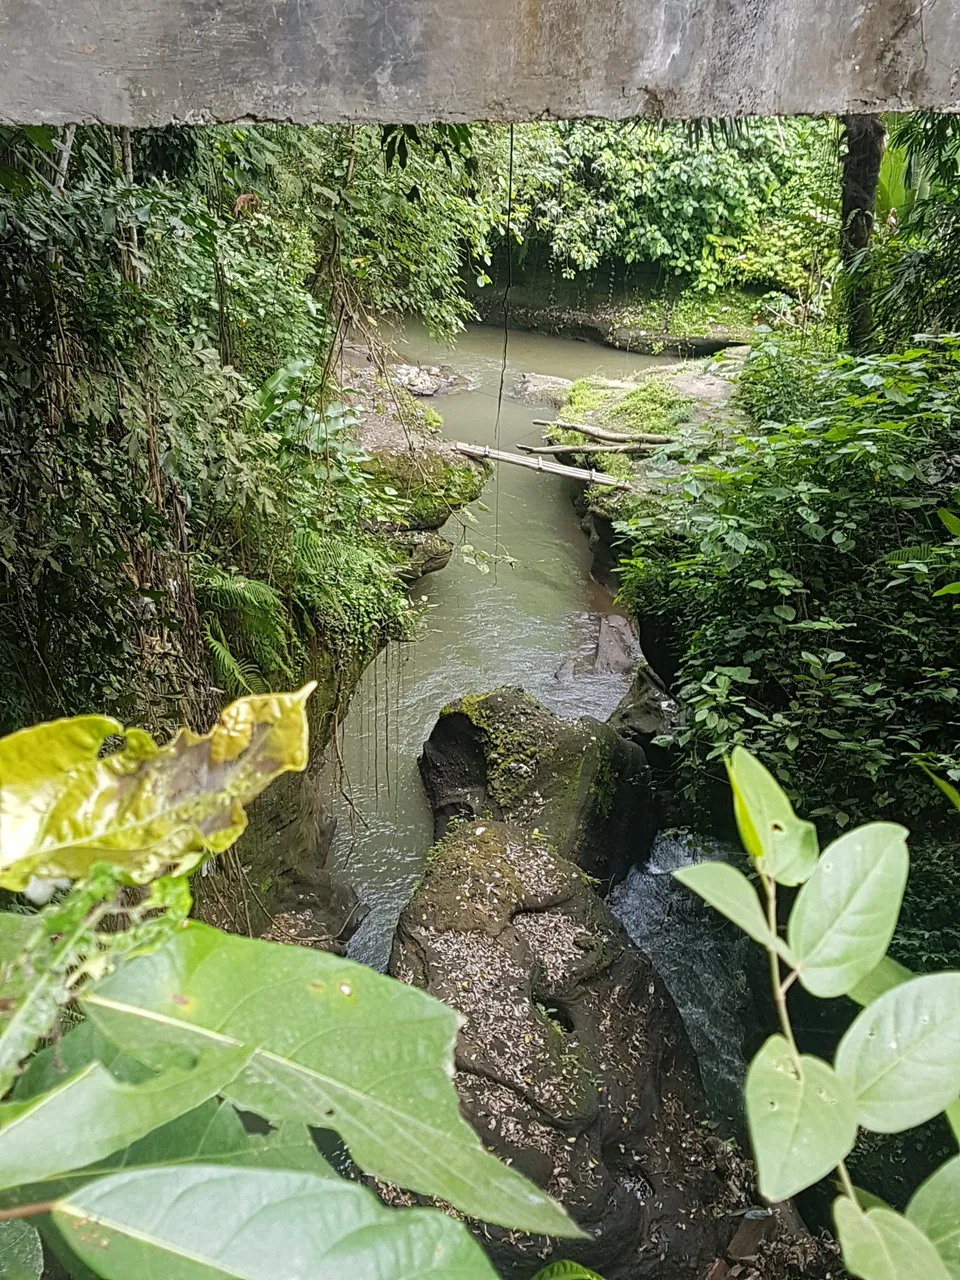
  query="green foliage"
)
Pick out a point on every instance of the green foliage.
point(117, 1132)
point(181, 482)
point(21, 1253)
point(736, 207)
point(898, 1064)
point(782, 564)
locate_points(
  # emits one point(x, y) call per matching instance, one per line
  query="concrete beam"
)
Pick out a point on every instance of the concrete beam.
point(149, 62)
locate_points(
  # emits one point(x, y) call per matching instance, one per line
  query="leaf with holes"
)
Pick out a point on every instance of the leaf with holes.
point(802, 1119)
point(92, 1114)
point(731, 893)
point(64, 806)
point(882, 1245)
point(338, 1046)
point(783, 845)
point(258, 1224)
point(845, 914)
point(901, 1056)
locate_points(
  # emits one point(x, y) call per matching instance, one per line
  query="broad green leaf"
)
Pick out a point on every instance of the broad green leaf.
point(338, 1046)
point(887, 975)
point(783, 845)
point(566, 1271)
point(950, 520)
point(82, 1045)
point(901, 1056)
point(21, 1253)
point(203, 1221)
point(63, 807)
point(92, 1114)
point(951, 589)
point(211, 1134)
point(882, 1245)
point(845, 914)
point(802, 1119)
point(732, 894)
point(935, 1210)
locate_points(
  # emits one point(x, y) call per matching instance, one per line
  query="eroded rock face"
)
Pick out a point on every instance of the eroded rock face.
point(573, 1063)
point(579, 782)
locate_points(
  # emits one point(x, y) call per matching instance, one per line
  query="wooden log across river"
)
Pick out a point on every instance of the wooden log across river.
point(539, 464)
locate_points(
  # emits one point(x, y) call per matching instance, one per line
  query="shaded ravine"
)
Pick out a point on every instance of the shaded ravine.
point(518, 624)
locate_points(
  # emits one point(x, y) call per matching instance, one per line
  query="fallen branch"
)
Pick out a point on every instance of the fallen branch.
point(598, 433)
point(538, 464)
point(637, 447)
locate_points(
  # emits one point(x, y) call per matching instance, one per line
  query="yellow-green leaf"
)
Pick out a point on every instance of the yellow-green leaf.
point(783, 845)
point(63, 807)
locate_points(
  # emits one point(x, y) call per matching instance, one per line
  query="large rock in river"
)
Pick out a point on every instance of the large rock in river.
point(572, 1063)
point(580, 783)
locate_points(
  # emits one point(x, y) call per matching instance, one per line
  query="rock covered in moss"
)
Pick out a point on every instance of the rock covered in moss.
point(573, 1063)
point(579, 782)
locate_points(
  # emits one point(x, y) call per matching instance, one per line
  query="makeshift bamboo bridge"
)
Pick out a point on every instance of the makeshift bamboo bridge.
point(539, 463)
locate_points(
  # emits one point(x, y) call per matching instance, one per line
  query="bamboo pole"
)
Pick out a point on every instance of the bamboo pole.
point(598, 433)
point(637, 447)
point(538, 464)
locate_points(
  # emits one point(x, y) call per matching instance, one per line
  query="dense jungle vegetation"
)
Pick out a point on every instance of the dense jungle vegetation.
point(181, 499)
point(187, 514)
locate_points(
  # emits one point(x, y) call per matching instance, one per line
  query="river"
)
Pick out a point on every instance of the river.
point(515, 625)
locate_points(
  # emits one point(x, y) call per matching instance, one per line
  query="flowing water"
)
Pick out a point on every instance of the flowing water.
point(518, 624)
point(700, 958)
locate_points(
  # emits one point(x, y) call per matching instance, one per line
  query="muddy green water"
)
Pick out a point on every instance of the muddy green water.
point(516, 625)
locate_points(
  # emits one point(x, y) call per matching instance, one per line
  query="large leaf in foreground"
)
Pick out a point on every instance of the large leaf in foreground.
point(845, 914)
point(882, 1245)
point(200, 1221)
point(338, 1046)
point(901, 1056)
point(783, 845)
point(92, 1114)
point(213, 1133)
point(64, 807)
point(802, 1119)
point(935, 1209)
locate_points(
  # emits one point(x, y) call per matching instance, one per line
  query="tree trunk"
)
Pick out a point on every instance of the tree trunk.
point(861, 173)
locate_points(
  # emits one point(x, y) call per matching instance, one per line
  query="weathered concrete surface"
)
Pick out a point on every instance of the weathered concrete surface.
point(147, 62)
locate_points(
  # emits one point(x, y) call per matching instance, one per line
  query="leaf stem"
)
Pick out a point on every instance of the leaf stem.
point(26, 1211)
point(779, 987)
point(847, 1182)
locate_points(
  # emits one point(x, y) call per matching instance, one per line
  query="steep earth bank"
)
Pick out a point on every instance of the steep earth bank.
point(635, 310)
point(275, 877)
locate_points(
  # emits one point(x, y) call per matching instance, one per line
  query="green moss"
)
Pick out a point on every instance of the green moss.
point(513, 746)
point(586, 396)
point(603, 787)
point(433, 487)
point(652, 407)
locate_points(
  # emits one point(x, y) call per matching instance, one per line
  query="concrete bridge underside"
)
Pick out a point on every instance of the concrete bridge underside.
point(149, 62)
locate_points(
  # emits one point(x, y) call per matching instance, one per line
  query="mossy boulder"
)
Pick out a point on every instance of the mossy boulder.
point(432, 479)
point(572, 1062)
point(581, 784)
